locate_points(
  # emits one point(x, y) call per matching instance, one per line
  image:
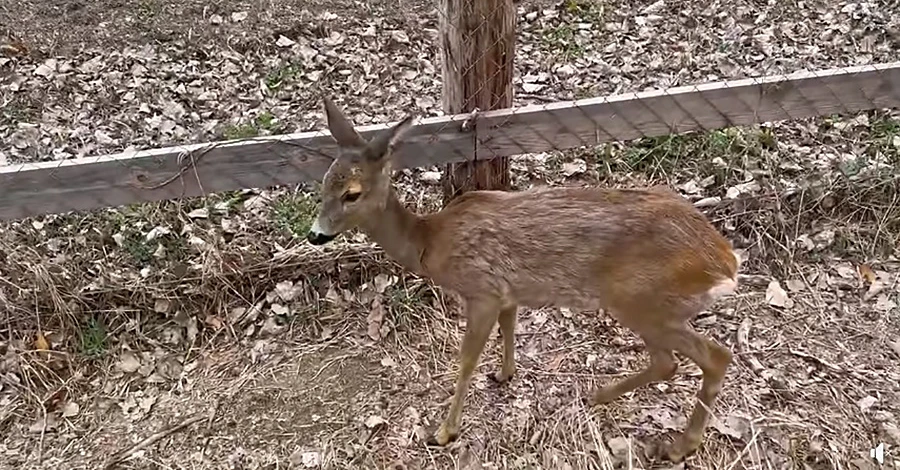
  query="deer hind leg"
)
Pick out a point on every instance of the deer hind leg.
point(481, 316)
point(662, 367)
point(713, 359)
point(507, 322)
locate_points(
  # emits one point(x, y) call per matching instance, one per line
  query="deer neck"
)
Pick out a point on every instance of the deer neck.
point(397, 230)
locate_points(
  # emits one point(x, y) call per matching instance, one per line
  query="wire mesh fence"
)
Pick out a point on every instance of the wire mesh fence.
point(32, 189)
point(478, 44)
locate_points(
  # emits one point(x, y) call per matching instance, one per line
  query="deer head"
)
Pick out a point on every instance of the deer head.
point(358, 182)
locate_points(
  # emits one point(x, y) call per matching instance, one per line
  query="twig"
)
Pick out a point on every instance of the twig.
point(755, 280)
point(121, 456)
point(895, 345)
point(743, 343)
point(815, 359)
point(182, 167)
point(745, 450)
point(826, 364)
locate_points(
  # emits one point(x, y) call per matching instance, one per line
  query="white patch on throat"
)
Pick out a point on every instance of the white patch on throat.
point(726, 286)
point(722, 288)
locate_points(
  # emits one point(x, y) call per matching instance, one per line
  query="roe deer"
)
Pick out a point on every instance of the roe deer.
point(647, 257)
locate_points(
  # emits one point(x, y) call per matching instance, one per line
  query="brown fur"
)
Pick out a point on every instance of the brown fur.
point(647, 257)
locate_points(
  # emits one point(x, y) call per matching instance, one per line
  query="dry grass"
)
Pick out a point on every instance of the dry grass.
point(275, 354)
point(316, 384)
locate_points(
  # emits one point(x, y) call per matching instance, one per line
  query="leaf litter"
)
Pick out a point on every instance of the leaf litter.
point(261, 319)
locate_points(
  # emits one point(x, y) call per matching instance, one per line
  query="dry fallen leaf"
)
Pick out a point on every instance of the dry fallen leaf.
point(306, 458)
point(12, 49)
point(884, 303)
point(128, 362)
point(866, 402)
point(874, 289)
point(162, 305)
point(311, 459)
point(192, 329)
point(690, 187)
point(271, 327)
point(40, 343)
point(576, 166)
point(846, 271)
point(287, 291)
point(279, 309)
point(70, 409)
point(867, 274)
point(213, 322)
point(146, 403)
point(382, 282)
point(284, 42)
point(795, 285)
point(332, 295)
point(777, 297)
point(430, 177)
point(374, 320)
point(618, 447)
point(47, 69)
point(744, 188)
point(732, 426)
point(373, 421)
point(708, 201)
point(400, 37)
point(201, 213)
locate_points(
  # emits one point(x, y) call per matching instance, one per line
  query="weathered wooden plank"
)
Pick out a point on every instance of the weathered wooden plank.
point(114, 180)
point(708, 106)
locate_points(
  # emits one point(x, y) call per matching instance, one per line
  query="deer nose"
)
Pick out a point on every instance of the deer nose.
point(316, 238)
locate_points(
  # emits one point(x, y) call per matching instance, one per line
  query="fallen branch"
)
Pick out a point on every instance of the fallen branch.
point(833, 367)
point(743, 342)
point(755, 280)
point(124, 455)
point(817, 360)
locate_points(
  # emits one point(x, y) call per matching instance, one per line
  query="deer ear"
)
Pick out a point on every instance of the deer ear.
point(341, 129)
point(381, 146)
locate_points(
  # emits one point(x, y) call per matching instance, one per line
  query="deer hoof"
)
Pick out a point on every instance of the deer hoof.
point(501, 378)
point(442, 437)
point(681, 449)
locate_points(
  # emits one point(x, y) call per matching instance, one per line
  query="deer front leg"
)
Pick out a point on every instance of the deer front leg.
point(481, 317)
point(713, 359)
point(507, 322)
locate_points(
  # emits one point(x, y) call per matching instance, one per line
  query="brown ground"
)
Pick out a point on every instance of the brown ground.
point(281, 355)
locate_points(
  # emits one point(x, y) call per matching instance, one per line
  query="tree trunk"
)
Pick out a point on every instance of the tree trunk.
point(477, 47)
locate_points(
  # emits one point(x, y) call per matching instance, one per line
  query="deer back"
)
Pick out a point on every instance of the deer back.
point(578, 247)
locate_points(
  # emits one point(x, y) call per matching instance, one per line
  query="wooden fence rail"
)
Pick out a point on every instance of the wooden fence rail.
point(193, 170)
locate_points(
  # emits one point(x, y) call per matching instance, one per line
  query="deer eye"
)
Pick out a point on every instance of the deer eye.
point(351, 197)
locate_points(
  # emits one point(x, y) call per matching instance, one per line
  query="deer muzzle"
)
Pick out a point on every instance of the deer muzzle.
point(319, 238)
point(318, 233)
